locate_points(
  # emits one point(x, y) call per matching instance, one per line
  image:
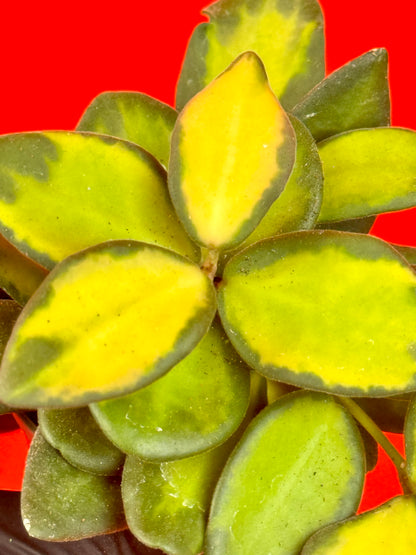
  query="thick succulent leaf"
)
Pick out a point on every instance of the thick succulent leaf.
point(195, 406)
point(357, 225)
point(387, 529)
point(60, 502)
point(353, 97)
point(368, 171)
point(299, 466)
point(61, 192)
point(135, 117)
point(389, 414)
point(77, 436)
point(325, 310)
point(75, 343)
point(233, 149)
point(410, 441)
point(287, 35)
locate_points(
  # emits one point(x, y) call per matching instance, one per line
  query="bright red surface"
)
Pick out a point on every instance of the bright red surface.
point(57, 56)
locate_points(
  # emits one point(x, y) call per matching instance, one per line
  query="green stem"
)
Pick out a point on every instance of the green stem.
point(25, 424)
point(372, 428)
point(209, 263)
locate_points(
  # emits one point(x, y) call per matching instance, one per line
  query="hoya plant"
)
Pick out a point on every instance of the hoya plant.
point(213, 342)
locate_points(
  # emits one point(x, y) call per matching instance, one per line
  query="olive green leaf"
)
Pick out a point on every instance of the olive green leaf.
point(76, 343)
point(325, 310)
point(9, 311)
point(135, 117)
point(287, 35)
point(195, 406)
point(60, 502)
point(387, 529)
point(368, 171)
point(61, 192)
point(298, 467)
point(356, 225)
point(76, 435)
point(410, 441)
point(353, 97)
point(409, 253)
point(233, 149)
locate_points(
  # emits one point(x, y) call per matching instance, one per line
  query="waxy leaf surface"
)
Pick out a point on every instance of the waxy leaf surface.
point(298, 467)
point(353, 97)
point(105, 322)
point(198, 404)
point(77, 436)
point(60, 502)
point(135, 117)
point(61, 192)
point(387, 529)
point(368, 171)
point(233, 149)
point(325, 310)
point(287, 35)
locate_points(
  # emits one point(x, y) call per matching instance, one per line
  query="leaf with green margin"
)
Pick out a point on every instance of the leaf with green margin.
point(357, 225)
point(61, 192)
point(299, 466)
point(388, 413)
point(233, 149)
point(353, 97)
point(9, 312)
point(60, 502)
point(367, 172)
point(324, 310)
point(133, 116)
point(410, 441)
point(74, 343)
point(78, 438)
point(197, 405)
point(387, 529)
point(286, 34)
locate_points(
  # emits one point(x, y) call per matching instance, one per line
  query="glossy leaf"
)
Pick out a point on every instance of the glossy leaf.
point(368, 171)
point(298, 467)
point(75, 343)
point(233, 149)
point(324, 310)
point(353, 97)
point(387, 529)
point(288, 37)
point(194, 407)
point(135, 117)
point(76, 435)
point(60, 502)
point(61, 192)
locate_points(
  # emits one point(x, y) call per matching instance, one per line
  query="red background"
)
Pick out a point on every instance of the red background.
point(56, 57)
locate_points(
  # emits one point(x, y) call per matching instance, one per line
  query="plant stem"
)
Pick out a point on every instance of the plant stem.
point(25, 424)
point(368, 423)
point(209, 263)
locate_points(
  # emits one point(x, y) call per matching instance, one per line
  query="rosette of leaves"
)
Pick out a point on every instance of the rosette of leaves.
point(211, 338)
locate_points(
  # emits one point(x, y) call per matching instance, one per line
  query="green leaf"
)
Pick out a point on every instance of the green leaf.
point(9, 311)
point(60, 502)
point(88, 188)
point(233, 149)
point(299, 466)
point(353, 97)
point(409, 253)
point(135, 117)
point(75, 343)
point(194, 407)
point(287, 35)
point(410, 441)
point(368, 171)
point(76, 435)
point(389, 414)
point(325, 310)
point(387, 529)
point(357, 225)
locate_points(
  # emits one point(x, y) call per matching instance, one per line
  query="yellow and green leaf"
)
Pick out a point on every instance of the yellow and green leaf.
point(325, 310)
point(61, 192)
point(105, 322)
point(233, 149)
point(287, 35)
point(134, 117)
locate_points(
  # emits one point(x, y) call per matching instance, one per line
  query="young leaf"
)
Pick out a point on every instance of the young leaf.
point(325, 310)
point(196, 406)
point(353, 97)
point(60, 502)
point(299, 466)
point(135, 117)
point(75, 343)
point(368, 171)
point(288, 37)
point(233, 149)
